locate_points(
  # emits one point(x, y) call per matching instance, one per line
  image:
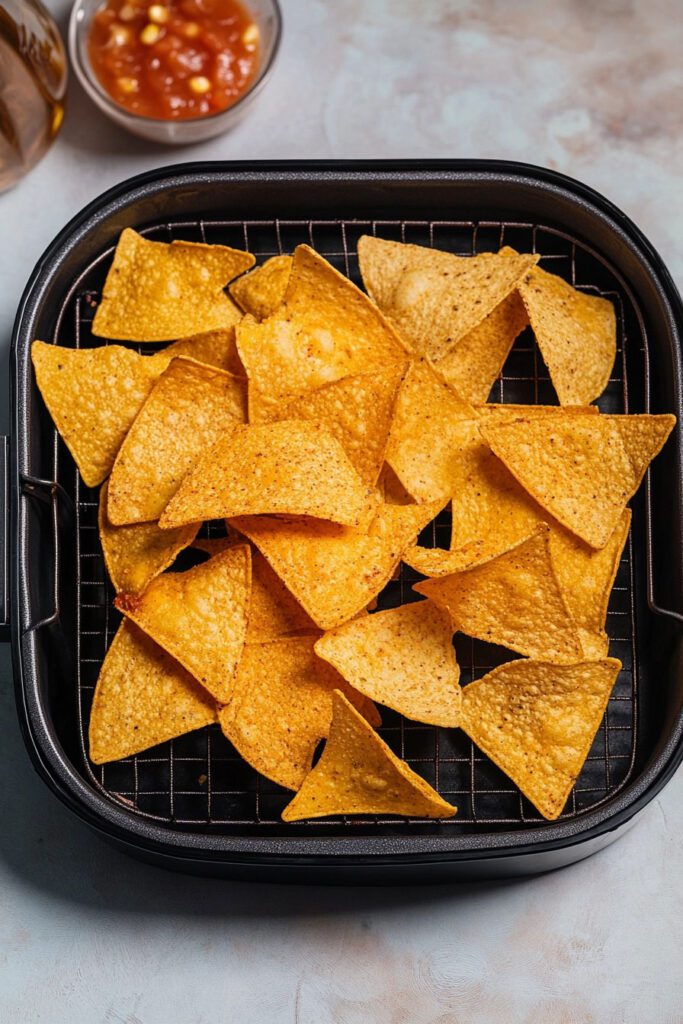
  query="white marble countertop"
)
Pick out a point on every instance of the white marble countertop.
point(89, 936)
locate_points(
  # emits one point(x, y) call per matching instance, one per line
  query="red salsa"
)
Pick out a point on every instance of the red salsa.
point(174, 60)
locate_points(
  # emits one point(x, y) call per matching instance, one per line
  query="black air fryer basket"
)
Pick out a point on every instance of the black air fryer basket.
point(193, 803)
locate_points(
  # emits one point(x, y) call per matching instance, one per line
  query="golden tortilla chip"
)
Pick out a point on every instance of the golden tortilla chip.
point(435, 298)
point(335, 571)
point(358, 411)
point(327, 329)
point(262, 291)
point(358, 774)
point(199, 616)
point(436, 562)
point(190, 407)
point(135, 554)
point(158, 292)
point(93, 396)
point(582, 469)
point(403, 658)
point(475, 362)
point(537, 722)
point(432, 433)
point(576, 333)
point(143, 697)
point(292, 467)
point(215, 348)
point(512, 599)
point(282, 707)
point(512, 411)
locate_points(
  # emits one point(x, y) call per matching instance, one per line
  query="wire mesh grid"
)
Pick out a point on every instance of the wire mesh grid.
point(199, 781)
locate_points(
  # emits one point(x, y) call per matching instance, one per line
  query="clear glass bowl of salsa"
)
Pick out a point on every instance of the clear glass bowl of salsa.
point(176, 71)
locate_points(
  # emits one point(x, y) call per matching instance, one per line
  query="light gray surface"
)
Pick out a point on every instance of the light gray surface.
point(87, 936)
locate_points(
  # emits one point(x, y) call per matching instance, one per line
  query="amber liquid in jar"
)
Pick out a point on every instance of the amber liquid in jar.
point(32, 86)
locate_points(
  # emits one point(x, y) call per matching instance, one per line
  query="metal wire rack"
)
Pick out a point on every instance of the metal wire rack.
point(198, 781)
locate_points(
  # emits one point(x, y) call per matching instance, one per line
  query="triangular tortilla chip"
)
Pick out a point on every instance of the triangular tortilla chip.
point(190, 407)
point(262, 290)
point(476, 361)
point(403, 658)
point(215, 348)
point(327, 329)
point(358, 411)
point(335, 571)
point(282, 707)
point(199, 616)
point(512, 599)
point(93, 396)
point(157, 292)
point(432, 433)
point(143, 697)
point(358, 774)
point(578, 467)
point(576, 333)
point(433, 297)
point(292, 467)
point(135, 554)
point(537, 722)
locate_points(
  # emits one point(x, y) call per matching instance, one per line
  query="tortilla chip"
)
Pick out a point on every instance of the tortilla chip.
point(434, 562)
point(512, 599)
point(435, 298)
point(358, 411)
point(537, 722)
point(291, 467)
point(262, 291)
point(576, 333)
point(327, 329)
point(335, 571)
point(282, 707)
point(143, 697)
point(512, 411)
point(433, 430)
point(93, 396)
point(215, 348)
point(587, 576)
point(134, 555)
point(190, 407)
point(158, 292)
point(579, 468)
point(199, 616)
point(358, 774)
point(475, 362)
point(403, 658)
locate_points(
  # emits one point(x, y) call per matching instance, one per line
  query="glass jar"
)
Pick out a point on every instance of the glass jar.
point(33, 73)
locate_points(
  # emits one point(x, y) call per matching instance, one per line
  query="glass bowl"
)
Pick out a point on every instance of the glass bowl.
point(266, 14)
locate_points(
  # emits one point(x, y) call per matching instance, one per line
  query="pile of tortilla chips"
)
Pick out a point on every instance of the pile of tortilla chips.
point(325, 427)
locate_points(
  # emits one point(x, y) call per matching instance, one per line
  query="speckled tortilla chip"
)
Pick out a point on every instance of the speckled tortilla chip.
point(358, 411)
point(576, 333)
point(199, 616)
point(292, 467)
point(582, 469)
point(358, 774)
point(403, 658)
point(93, 396)
point(512, 599)
point(435, 298)
point(282, 707)
point(335, 571)
point(537, 722)
point(190, 407)
point(476, 361)
point(135, 554)
point(262, 290)
point(327, 329)
point(143, 697)
point(215, 348)
point(432, 433)
point(157, 292)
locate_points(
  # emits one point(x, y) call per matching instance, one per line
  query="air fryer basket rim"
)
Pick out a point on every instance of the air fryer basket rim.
point(118, 823)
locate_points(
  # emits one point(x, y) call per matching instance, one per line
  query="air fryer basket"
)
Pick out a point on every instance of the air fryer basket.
point(193, 802)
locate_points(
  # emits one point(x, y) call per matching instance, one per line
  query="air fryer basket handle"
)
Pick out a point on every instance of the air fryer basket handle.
point(4, 538)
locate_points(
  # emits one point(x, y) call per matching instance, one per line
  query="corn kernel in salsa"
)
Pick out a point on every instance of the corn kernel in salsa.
point(175, 60)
